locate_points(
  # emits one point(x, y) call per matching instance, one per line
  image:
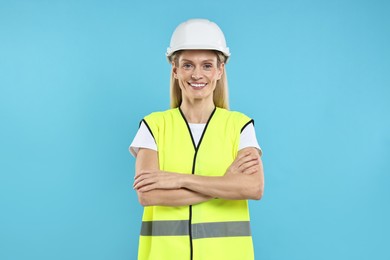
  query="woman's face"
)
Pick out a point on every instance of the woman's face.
point(197, 72)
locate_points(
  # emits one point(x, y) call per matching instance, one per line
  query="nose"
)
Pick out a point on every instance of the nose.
point(196, 75)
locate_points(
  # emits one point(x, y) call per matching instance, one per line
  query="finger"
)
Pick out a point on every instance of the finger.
point(137, 185)
point(247, 159)
point(142, 173)
point(251, 170)
point(235, 166)
point(140, 183)
point(138, 179)
point(147, 188)
point(139, 175)
point(240, 159)
point(249, 164)
point(241, 156)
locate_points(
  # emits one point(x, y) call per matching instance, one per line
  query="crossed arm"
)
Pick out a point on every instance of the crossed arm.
point(244, 179)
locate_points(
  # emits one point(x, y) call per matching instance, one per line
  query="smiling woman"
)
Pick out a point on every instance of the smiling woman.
point(197, 73)
point(197, 163)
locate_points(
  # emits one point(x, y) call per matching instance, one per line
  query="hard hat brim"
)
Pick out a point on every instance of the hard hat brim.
point(170, 51)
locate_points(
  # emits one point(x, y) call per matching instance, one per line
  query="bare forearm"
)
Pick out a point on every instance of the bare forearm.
point(233, 187)
point(243, 180)
point(176, 197)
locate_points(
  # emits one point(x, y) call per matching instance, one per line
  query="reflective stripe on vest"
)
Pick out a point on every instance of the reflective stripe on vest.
point(200, 230)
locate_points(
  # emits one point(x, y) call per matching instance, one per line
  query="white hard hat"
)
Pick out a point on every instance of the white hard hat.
point(198, 34)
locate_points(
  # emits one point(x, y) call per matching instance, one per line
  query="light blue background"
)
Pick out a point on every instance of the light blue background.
point(77, 76)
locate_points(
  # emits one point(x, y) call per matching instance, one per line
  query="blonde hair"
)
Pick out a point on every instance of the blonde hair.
point(220, 95)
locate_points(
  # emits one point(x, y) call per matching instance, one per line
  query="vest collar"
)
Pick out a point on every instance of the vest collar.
point(204, 131)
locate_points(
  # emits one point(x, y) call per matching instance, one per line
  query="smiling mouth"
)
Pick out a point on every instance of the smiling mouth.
point(197, 85)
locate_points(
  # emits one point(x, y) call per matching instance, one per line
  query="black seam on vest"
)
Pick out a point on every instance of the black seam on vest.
point(143, 120)
point(205, 128)
point(188, 127)
point(190, 231)
point(251, 121)
point(193, 169)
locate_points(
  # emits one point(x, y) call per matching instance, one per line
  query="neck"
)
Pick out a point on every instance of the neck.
point(197, 112)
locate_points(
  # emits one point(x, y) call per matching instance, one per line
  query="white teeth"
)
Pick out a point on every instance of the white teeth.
point(197, 85)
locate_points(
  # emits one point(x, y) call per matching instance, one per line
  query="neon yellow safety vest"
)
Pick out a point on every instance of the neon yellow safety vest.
point(214, 230)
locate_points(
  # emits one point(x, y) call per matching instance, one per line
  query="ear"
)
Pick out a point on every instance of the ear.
point(174, 70)
point(221, 70)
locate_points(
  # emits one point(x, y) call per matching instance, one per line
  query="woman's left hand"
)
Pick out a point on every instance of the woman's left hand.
point(154, 179)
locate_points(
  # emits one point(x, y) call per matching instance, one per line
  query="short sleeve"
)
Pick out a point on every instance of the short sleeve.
point(143, 139)
point(248, 138)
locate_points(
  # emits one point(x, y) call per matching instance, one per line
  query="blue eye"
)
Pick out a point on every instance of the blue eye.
point(187, 66)
point(208, 66)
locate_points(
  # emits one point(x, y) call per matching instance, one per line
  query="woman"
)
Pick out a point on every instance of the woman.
point(197, 163)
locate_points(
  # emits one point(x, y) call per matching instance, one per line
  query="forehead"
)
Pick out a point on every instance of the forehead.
point(198, 55)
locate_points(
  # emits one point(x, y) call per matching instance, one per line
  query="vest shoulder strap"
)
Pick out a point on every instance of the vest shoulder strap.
point(157, 120)
point(234, 119)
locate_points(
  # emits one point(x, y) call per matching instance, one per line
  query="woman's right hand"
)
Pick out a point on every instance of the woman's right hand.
point(245, 163)
point(147, 180)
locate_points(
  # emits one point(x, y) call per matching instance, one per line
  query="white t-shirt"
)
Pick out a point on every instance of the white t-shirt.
point(144, 139)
